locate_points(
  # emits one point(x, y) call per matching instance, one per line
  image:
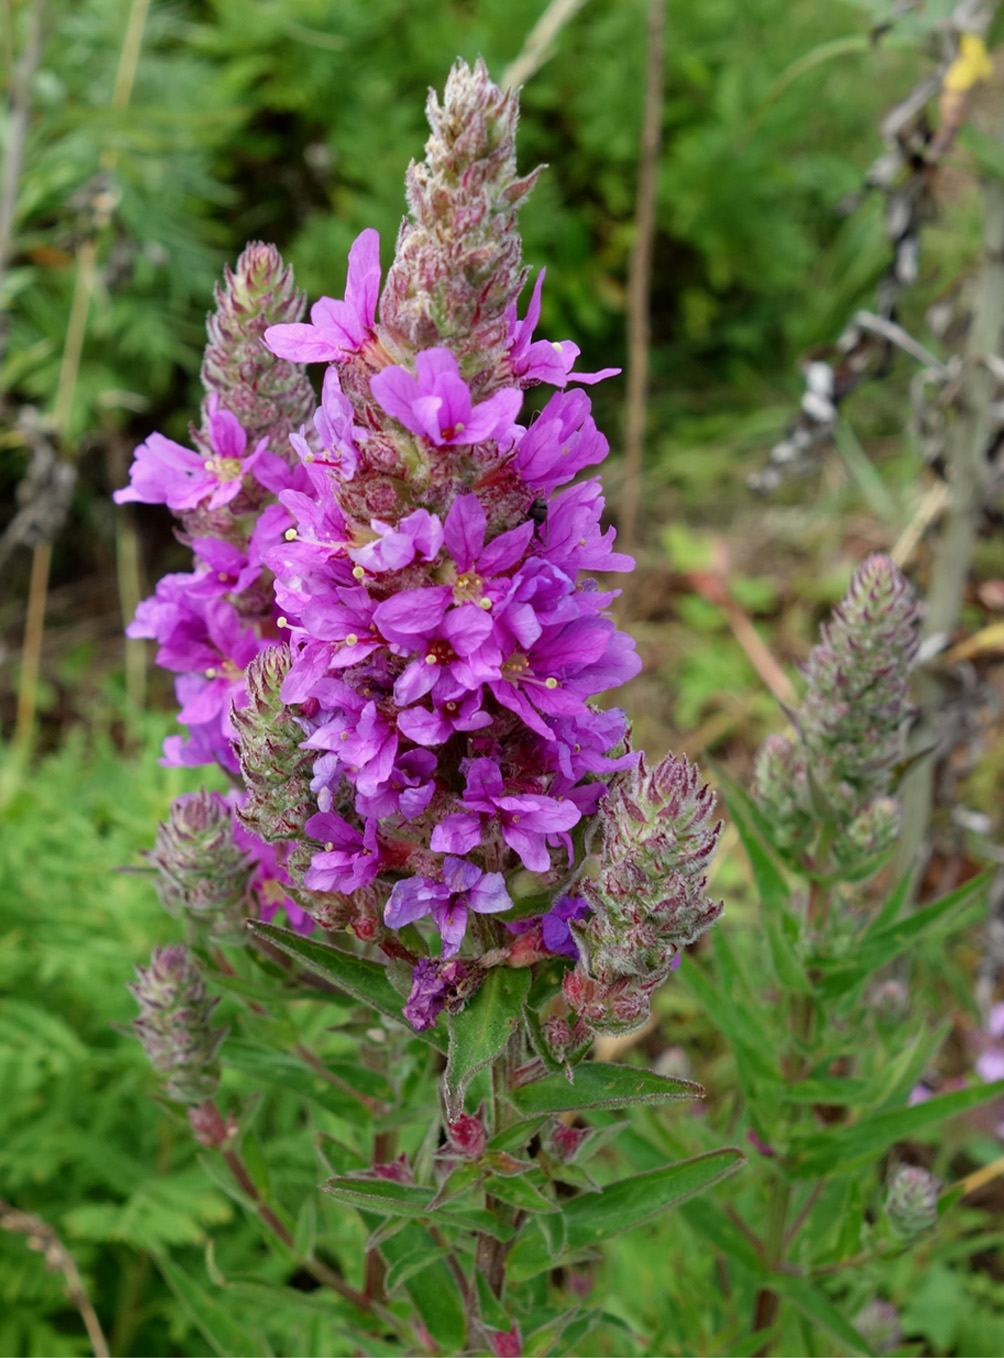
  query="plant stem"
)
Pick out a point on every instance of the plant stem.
point(17, 133)
point(967, 472)
point(779, 1236)
point(490, 1254)
point(640, 275)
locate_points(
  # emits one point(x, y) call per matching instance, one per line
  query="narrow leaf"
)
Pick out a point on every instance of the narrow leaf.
point(600, 1085)
point(221, 1331)
point(596, 1217)
point(815, 1304)
point(357, 976)
point(838, 1147)
point(481, 1031)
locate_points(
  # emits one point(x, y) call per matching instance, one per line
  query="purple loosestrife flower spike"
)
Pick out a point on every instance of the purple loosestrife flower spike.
point(458, 265)
point(204, 875)
point(911, 1203)
point(647, 892)
point(851, 724)
point(275, 769)
point(269, 395)
point(174, 1024)
point(857, 701)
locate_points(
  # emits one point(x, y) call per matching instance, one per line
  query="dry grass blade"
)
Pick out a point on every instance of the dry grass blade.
point(42, 1238)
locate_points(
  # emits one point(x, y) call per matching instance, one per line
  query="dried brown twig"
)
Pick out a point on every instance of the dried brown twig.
point(42, 1238)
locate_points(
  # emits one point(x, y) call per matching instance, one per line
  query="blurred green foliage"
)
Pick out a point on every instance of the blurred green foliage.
point(289, 120)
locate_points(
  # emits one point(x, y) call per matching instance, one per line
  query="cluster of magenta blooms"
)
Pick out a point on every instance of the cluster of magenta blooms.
point(421, 552)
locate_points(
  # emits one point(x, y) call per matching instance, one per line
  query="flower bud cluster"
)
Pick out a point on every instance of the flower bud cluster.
point(174, 1024)
point(269, 396)
point(851, 724)
point(210, 623)
point(911, 1204)
point(213, 874)
point(204, 877)
point(646, 890)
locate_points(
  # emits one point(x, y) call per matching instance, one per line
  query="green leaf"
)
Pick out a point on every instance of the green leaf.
point(277, 1068)
point(434, 1294)
point(771, 884)
point(482, 1030)
point(596, 1217)
point(787, 967)
point(519, 1193)
point(357, 976)
point(383, 1197)
point(752, 1059)
point(879, 945)
point(599, 1085)
point(493, 1313)
point(707, 1218)
point(815, 1304)
point(839, 1147)
point(305, 1234)
point(985, 150)
point(222, 1332)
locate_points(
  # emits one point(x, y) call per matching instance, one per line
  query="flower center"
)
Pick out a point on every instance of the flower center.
point(439, 652)
point(224, 468)
point(469, 589)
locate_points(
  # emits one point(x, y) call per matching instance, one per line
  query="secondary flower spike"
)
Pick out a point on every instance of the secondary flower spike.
point(852, 722)
point(174, 1024)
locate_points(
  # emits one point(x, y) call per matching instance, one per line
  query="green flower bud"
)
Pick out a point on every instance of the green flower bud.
point(204, 876)
point(911, 1204)
point(174, 1024)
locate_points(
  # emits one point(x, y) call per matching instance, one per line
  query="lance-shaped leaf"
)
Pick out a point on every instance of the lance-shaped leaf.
point(879, 945)
point(815, 1304)
point(840, 1147)
point(385, 1197)
point(357, 976)
point(481, 1031)
point(596, 1217)
point(220, 1329)
point(520, 1193)
point(597, 1084)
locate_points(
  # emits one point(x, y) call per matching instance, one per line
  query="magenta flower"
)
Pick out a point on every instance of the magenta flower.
point(990, 1063)
point(406, 792)
point(544, 360)
point(525, 820)
point(336, 433)
point(228, 569)
point(434, 985)
point(419, 535)
point(350, 858)
point(555, 933)
point(560, 442)
point(437, 403)
point(336, 328)
point(167, 473)
point(464, 887)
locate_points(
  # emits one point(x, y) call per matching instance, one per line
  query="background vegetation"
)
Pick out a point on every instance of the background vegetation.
point(291, 121)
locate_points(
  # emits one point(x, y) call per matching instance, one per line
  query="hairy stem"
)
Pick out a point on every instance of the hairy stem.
point(640, 275)
point(967, 470)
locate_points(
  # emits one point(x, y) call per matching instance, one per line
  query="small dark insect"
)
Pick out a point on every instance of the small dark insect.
point(538, 511)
